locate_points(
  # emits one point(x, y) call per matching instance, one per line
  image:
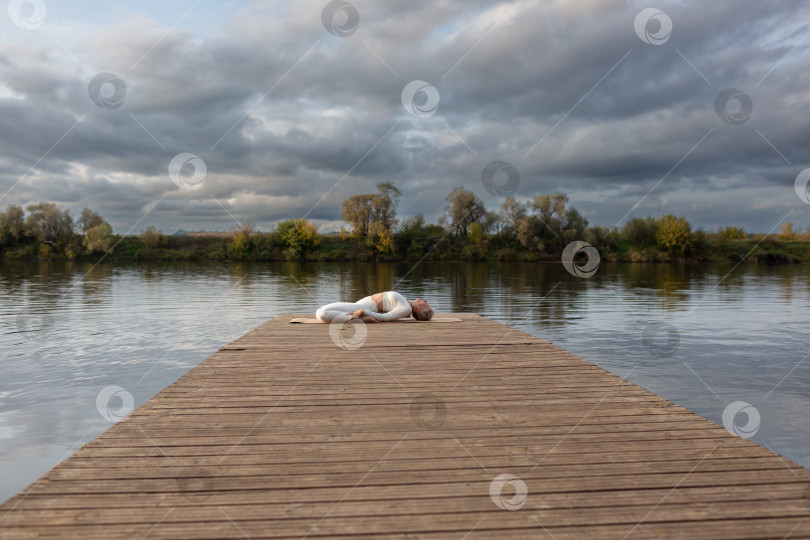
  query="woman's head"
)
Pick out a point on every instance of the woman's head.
point(421, 310)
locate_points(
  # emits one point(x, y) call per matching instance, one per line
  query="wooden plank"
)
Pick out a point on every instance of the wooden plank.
point(283, 434)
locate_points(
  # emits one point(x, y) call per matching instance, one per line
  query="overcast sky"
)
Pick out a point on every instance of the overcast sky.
point(290, 107)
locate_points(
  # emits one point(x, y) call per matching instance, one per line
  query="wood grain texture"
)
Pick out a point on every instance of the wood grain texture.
point(284, 434)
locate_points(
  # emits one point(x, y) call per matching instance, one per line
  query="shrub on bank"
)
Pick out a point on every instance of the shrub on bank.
point(674, 235)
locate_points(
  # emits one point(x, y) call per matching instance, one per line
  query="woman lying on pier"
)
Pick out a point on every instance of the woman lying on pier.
point(380, 307)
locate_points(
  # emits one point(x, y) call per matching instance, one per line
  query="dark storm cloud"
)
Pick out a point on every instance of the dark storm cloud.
point(281, 111)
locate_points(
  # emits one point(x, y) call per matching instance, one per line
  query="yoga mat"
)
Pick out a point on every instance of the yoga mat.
point(303, 320)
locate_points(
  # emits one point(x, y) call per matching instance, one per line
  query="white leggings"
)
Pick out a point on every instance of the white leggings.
point(338, 311)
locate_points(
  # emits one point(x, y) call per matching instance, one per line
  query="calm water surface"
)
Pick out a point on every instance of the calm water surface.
point(69, 330)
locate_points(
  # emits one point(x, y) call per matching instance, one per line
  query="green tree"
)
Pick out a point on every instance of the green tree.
point(298, 235)
point(602, 238)
point(463, 208)
point(641, 232)
point(48, 224)
point(413, 226)
point(412, 237)
point(98, 239)
point(12, 225)
point(675, 235)
point(551, 224)
point(732, 233)
point(477, 236)
point(573, 225)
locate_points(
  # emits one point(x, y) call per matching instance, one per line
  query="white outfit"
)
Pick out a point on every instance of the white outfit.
point(395, 306)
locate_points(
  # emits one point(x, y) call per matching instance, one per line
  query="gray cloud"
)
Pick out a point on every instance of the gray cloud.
point(281, 111)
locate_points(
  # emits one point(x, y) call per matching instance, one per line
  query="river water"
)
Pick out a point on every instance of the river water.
point(706, 337)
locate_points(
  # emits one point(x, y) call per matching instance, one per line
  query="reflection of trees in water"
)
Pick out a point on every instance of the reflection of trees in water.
point(670, 283)
point(362, 279)
point(469, 285)
point(510, 290)
point(558, 295)
point(96, 281)
point(788, 279)
point(727, 283)
point(333, 282)
point(298, 280)
point(43, 281)
point(14, 275)
point(304, 272)
point(675, 286)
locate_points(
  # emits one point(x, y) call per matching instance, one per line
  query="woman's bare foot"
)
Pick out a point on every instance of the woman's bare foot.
point(368, 319)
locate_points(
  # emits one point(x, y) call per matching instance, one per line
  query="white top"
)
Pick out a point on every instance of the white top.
point(395, 306)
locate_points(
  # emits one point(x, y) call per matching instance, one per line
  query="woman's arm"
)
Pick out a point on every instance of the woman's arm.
point(399, 312)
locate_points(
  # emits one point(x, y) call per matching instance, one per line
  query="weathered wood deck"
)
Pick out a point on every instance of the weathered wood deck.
point(283, 434)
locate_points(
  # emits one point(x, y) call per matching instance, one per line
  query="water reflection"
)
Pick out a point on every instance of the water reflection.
point(741, 332)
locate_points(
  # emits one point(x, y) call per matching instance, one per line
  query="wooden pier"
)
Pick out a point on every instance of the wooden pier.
point(284, 434)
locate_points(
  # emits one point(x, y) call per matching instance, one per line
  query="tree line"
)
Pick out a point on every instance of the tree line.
point(52, 231)
point(531, 230)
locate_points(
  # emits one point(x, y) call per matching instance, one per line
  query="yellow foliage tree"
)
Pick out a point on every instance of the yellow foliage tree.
point(787, 232)
point(675, 235)
point(242, 239)
point(151, 237)
point(380, 238)
point(97, 239)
